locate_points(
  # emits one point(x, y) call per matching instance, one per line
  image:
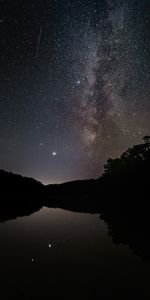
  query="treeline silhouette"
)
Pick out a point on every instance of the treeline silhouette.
point(124, 182)
point(120, 196)
point(126, 206)
point(131, 169)
point(20, 196)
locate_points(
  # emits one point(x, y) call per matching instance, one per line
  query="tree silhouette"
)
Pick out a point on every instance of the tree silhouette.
point(130, 161)
point(146, 139)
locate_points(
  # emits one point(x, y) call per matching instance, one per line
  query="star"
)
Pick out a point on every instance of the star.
point(78, 82)
point(54, 153)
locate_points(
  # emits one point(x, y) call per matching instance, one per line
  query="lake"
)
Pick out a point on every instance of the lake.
point(58, 254)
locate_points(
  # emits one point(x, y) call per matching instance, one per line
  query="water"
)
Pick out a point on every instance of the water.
point(58, 254)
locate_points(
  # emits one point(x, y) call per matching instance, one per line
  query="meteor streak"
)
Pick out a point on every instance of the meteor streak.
point(39, 40)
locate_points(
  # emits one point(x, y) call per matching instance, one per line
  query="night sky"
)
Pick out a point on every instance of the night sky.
point(74, 85)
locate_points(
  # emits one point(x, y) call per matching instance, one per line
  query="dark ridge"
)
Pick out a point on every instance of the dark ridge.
point(20, 196)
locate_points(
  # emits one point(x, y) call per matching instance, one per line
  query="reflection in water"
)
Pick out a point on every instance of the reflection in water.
point(130, 230)
point(9, 213)
point(59, 254)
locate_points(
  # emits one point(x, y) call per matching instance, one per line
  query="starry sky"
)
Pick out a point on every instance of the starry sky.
point(74, 85)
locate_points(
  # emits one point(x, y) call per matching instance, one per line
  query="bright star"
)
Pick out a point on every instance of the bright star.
point(54, 153)
point(78, 82)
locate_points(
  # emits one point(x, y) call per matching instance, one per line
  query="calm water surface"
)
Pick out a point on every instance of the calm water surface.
point(57, 254)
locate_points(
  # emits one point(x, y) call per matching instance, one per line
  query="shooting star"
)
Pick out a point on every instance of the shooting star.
point(39, 40)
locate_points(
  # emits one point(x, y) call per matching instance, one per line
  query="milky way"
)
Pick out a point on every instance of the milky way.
point(74, 86)
point(114, 107)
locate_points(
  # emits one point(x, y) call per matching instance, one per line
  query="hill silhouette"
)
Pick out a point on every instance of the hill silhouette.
point(18, 188)
point(20, 196)
point(120, 196)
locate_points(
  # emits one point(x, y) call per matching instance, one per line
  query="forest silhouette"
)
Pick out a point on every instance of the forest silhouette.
point(120, 196)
